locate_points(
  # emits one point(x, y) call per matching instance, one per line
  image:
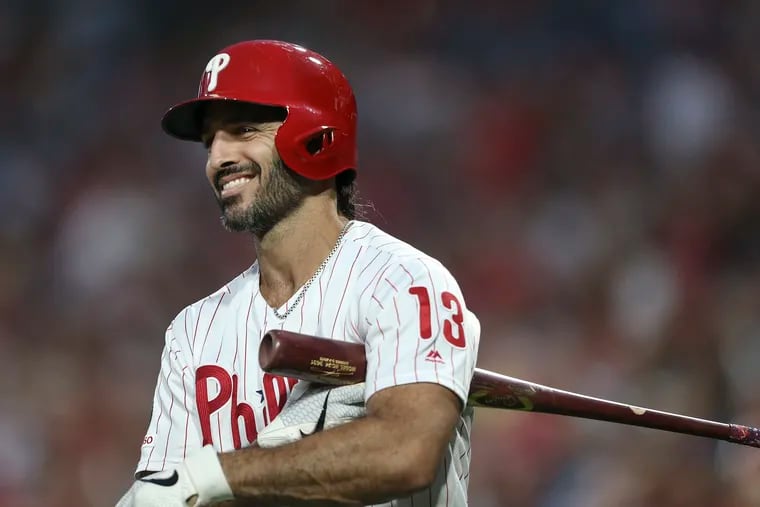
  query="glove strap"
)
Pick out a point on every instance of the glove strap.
point(206, 474)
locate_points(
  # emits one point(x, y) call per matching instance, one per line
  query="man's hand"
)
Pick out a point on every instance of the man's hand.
point(197, 482)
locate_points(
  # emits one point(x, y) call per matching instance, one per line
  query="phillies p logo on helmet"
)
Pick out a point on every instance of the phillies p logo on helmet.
point(214, 67)
point(315, 95)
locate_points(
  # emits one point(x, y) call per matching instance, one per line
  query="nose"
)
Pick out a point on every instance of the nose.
point(222, 151)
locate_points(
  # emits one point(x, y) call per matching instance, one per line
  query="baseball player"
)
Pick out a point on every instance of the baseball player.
point(279, 123)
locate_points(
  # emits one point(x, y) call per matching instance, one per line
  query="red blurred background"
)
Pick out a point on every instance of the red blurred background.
point(589, 171)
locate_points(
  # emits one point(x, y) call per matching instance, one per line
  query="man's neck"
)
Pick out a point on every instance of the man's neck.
point(290, 253)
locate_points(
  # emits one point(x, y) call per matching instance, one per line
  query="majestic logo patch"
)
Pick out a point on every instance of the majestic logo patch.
point(214, 67)
point(434, 357)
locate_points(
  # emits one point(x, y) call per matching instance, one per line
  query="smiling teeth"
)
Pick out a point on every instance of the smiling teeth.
point(235, 183)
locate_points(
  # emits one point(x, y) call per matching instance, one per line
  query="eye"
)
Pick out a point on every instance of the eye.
point(246, 129)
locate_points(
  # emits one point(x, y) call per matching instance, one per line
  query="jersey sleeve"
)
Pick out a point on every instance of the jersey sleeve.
point(173, 430)
point(418, 329)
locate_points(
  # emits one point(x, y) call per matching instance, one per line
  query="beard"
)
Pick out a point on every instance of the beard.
point(280, 195)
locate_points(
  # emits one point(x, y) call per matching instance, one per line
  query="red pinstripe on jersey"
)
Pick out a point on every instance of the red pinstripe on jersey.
point(198, 321)
point(157, 402)
point(345, 288)
point(398, 339)
point(378, 351)
point(300, 324)
point(211, 321)
point(187, 410)
point(437, 316)
point(245, 348)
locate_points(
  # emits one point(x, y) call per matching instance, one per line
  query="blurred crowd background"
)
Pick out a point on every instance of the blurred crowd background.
point(588, 170)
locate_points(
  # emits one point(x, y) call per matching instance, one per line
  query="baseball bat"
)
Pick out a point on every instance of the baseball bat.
point(336, 362)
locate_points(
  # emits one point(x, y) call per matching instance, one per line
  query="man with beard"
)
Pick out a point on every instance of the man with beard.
point(279, 123)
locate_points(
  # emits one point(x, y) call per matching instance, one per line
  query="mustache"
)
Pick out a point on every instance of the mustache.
point(246, 168)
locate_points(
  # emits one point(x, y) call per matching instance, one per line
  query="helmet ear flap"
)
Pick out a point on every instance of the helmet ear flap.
point(310, 151)
point(319, 141)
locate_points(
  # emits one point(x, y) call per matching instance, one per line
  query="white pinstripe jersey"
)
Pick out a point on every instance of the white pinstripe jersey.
point(403, 305)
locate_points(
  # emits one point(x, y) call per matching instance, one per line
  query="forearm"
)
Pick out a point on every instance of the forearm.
point(256, 503)
point(350, 465)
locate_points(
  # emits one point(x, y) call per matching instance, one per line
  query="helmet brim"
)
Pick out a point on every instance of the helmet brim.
point(185, 120)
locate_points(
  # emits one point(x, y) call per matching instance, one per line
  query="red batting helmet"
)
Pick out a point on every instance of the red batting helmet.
point(318, 137)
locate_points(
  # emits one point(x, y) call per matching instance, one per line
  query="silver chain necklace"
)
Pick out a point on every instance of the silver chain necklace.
point(283, 316)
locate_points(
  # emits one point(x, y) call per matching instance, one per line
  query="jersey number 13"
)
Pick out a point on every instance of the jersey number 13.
point(453, 330)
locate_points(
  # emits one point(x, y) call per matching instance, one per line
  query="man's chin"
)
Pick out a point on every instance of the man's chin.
point(233, 222)
point(228, 204)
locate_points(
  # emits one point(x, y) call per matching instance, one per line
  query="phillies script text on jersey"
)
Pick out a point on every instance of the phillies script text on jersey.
point(273, 394)
point(403, 305)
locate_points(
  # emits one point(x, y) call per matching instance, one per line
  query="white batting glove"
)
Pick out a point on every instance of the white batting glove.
point(198, 481)
point(311, 408)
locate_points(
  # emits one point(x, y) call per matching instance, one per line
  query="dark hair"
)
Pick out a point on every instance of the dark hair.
point(345, 186)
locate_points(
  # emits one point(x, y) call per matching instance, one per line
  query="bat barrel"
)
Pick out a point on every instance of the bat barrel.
point(308, 358)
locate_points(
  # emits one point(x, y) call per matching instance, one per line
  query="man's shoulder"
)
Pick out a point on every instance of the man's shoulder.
point(235, 288)
point(391, 254)
point(375, 240)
